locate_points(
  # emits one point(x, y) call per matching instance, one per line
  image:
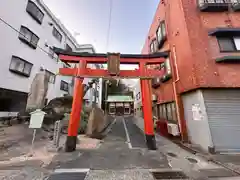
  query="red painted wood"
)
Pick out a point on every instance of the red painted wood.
point(147, 104)
point(75, 116)
point(104, 73)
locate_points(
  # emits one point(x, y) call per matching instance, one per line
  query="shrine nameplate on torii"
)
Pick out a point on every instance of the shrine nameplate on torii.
point(113, 61)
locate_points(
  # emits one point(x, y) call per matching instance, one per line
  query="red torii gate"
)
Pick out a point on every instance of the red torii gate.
point(82, 59)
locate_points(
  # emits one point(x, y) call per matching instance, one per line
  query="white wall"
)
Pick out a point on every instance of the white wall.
point(198, 130)
point(14, 12)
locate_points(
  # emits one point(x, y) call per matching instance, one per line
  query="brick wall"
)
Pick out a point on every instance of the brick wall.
point(187, 30)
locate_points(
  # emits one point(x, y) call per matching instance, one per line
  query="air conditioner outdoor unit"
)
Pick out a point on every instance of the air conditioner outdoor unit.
point(173, 129)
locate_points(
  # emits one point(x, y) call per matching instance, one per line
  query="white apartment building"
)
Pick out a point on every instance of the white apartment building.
point(28, 31)
point(137, 99)
point(89, 96)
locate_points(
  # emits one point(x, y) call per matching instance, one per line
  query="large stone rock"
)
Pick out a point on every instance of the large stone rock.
point(38, 91)
point(97, 122)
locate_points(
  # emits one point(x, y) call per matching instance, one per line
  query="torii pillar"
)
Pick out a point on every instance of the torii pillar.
point(75, 117)
point(147, 111)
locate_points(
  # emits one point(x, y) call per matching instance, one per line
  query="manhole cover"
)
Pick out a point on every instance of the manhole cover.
point(68, 176)
point(171, 154)
point(169, 175)
point(192, 160)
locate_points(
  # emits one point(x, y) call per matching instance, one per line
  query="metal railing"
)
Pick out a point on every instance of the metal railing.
point(235, 2)
point(217, 2)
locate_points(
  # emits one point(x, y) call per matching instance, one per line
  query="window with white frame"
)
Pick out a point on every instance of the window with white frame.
point(64, 86)
point(167, 66)
point(20, 66)
point(28, 37)
point(161, 34)
point(229, 44)
point(35, 12)
point(153, 46)
point(57, 34)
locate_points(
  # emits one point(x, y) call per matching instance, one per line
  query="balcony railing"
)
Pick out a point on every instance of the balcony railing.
point(214, 5)
point(156, 82)
point(235, 5)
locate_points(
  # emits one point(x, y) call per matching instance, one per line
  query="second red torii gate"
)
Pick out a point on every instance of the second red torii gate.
point(80, 72)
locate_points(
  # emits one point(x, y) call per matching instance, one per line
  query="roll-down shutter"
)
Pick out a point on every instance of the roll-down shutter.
point(223, 110)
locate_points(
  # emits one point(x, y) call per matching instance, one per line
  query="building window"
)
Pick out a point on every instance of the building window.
point(51, 76)
point(138, 96)
point(229, 44)
point(64, 86)
point(161, 34)
point(68, 48)
point(167, 66)
point(35, 12)
point(164, 111)
point(153, 46)
point(57, 34)
point(155, 111)
point(112, 110)
point(20, 66)
point(28, 37)
point(174, 111)
point(214, 5)
point(168, 112)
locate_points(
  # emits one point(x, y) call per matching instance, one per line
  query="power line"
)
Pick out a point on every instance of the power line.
point(109, 24)
point(9, 25)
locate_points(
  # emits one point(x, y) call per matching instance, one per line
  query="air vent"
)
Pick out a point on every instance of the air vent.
point(68, 176)
point(169, 175)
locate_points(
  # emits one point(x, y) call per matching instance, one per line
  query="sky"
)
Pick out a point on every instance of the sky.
point(88, 20)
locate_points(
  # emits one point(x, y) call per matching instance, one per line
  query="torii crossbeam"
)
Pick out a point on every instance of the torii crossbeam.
point(113, 70)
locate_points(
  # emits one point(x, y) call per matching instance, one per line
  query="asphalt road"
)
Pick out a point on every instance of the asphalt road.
point(115, 153)
point(123, 155)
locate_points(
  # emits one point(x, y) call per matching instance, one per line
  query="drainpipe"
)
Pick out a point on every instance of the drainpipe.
point(181, 121)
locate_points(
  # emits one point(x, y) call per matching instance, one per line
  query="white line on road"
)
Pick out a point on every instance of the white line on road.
point(127, 135)
point(71, 170)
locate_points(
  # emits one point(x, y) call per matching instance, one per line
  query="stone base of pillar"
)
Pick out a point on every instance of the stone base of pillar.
point(71, 143)
point(151, 142)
